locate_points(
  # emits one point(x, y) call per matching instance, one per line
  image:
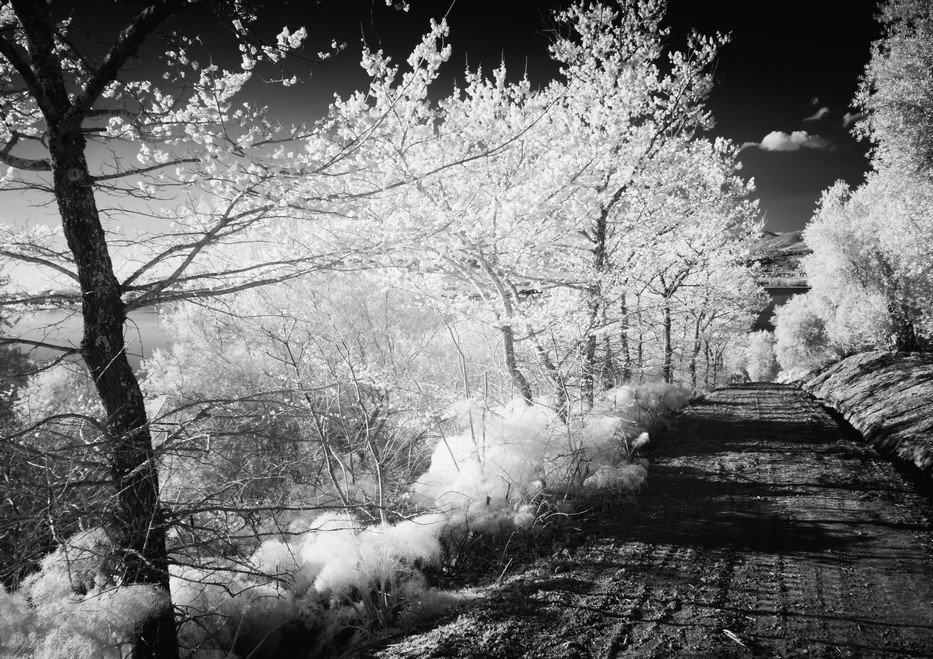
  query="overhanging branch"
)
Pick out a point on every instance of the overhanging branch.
point(30, 164)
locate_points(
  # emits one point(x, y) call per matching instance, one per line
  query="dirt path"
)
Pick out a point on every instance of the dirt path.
point(764, 531)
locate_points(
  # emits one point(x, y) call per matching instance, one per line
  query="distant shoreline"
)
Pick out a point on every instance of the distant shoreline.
point(62, 325)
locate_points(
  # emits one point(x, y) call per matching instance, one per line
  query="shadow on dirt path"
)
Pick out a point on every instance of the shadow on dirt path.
point(764, 531)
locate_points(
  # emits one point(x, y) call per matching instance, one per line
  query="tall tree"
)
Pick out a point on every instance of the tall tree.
point(896, 93)
point(872, 263)
point(68, 86)
point(872, 246)
point(629, 98)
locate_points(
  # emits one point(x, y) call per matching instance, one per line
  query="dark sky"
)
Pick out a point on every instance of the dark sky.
point(788, 59)
point(786, 62)
point(782, 67)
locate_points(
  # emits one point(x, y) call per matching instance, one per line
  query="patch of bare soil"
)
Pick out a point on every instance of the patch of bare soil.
point(764, 531)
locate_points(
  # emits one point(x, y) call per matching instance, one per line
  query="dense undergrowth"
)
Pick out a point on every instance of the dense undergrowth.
point(503, 484)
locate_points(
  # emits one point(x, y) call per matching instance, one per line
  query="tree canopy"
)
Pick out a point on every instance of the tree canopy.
point(579, 239)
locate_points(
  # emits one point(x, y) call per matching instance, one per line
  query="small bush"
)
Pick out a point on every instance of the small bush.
point(72, 609)
point(503, 460)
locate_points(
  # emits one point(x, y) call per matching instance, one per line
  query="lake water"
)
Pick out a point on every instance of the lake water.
point(143, 333)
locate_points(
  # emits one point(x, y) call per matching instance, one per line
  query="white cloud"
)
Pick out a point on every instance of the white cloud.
point(819, 114)
point(850, 118)
point(799, 139)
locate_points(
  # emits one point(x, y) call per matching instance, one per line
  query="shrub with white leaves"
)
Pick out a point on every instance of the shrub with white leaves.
point(503, 458)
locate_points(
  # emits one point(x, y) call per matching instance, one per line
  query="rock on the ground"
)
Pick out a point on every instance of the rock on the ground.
point(887, 397)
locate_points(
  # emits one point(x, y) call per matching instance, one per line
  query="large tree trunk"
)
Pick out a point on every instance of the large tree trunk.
point(624, 348)
point(668, 356)
point(139, 526)
point(137, 522)
point(588, 371)
point(640, 352)
point(596, 302)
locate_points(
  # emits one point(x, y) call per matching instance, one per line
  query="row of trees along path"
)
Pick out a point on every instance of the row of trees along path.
point(765, 530)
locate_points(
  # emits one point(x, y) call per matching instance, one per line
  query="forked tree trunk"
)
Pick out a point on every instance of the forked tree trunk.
point(511, 364)
point(561, 400)
point(508, 298)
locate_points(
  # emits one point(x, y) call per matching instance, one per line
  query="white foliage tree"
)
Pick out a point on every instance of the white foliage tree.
point(873, 247)
point(761, 362)
point(872, 261)
point(896, 93)
point(801, 338)
point(84, 130)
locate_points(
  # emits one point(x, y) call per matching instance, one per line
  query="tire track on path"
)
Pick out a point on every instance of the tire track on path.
point(765, 530)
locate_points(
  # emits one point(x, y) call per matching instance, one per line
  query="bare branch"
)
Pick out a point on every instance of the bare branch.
point(126, 45)
point(142, 170)
point(48, 298)
point(39, 344)
point(31, 164)
point(20, 62)
point(160, 296)
point(39, 261)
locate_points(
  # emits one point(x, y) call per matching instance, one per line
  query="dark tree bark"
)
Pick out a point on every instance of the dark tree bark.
point(904, 332)
point(717, 366)
point(138, 521)
point(640, 352)
point(626, 371)
point(609, 370)
point(900, 314)
point(667, 347)
point(588, 371)
point(138, 524)
point(667, 364)
point(508, 297)
point(695, 352)
point(669, 287)
point(511, 364)
point(561, 400)
point(595, 293)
